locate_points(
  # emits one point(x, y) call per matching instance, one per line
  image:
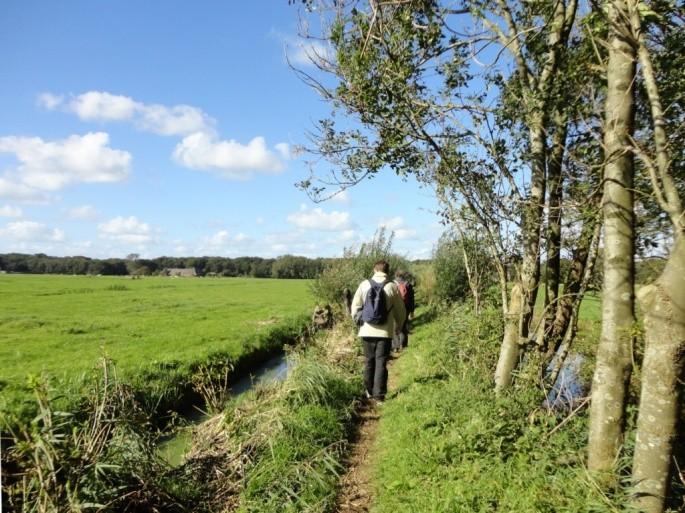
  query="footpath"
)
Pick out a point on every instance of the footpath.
point(356, 493)
point(443, 442)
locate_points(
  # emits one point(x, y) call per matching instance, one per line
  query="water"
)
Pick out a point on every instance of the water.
point(174, 448)
point(568, 389)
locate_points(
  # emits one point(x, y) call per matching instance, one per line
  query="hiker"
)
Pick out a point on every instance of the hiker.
point(406, 289)
point(378, 310)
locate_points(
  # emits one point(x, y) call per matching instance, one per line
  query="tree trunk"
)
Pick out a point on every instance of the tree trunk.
point(612, 370)
point(509, 354)
point(531, 225)
point(572, 285)
point(553, 268)
point(570, 329)
point(663, 304)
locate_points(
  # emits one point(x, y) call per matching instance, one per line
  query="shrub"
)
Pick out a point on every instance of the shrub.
point(451, 277)
point(355, 266)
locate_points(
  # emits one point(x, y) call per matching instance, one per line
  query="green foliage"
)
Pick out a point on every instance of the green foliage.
point(447, 443)
point(296, 267)
point(288, 266)
point(355, 266)
point(451, 278)
point(298, 469)
point(98, 455)
point(451, 282)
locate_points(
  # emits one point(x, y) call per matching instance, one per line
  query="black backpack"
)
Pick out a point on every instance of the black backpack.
point(374, 310)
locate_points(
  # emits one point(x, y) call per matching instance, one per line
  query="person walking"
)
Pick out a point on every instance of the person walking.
point(378, 309)
point(406, 289)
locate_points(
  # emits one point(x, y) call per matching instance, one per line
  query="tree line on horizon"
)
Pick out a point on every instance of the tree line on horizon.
point(285, 266)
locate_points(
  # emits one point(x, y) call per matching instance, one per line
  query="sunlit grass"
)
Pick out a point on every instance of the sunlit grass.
point(60, 325)
point(447, 444)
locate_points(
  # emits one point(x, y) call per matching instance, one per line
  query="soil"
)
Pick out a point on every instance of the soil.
point(356, 492)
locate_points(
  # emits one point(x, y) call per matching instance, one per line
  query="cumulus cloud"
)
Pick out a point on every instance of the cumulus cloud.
point(159, 119)
point(31, 231)
point(102, 106)
point(308, 52)
point(20, 192)
point(10, 211)
point(397, 225)
point(50, 101)
point(126, 229)
point(317, 219)
point(84, 212)
point(52, 165)
point(219, 238)
point(225, 242)
point(228, 158)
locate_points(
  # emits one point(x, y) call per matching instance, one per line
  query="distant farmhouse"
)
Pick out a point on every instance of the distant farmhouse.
point(174, 272)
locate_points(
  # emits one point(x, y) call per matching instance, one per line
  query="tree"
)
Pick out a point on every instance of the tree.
point(663, 302)
point(404, 72)
point(612, 370)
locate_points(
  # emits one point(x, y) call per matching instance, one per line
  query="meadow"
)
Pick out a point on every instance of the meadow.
point(61, 325)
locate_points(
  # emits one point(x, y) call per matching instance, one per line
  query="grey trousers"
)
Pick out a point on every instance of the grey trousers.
point(376, 352)
point(401, 339)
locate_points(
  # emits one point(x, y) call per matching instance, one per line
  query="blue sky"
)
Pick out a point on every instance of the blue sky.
point(167, 128)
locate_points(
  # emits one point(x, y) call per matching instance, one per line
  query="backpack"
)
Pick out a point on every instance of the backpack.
point(374, 310)
point(407, 294)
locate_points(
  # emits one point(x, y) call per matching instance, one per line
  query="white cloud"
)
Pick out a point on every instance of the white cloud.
point(283, 149)
point(397, 225)
point(49, 101)
point(156, 118)
point(84, 212)
point(317, 219)
point(31, 231)
point(223, 242)
point(176, 120)
point(219, 238)
point(229, 159)
point(51, 165)
point(20, 192)
point(295, 243)
point(348, 235)
point(103, 106)
point(126, 229)
point(10, 211)
point(307, 52)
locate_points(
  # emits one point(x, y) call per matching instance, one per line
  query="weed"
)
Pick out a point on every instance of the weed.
point(99, 455)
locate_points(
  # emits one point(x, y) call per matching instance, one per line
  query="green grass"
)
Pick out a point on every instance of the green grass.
point(61, 325)
point(447, 444)
point(280, 447)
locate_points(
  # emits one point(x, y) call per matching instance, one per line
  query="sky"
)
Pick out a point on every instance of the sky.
point(169, 128)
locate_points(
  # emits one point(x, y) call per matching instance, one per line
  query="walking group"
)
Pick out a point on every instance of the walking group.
point(382, 309)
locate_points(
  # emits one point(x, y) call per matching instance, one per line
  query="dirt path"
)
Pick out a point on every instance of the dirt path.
point(356, 494)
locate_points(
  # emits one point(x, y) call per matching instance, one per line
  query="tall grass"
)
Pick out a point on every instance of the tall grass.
point(99, 457)
point(281, 448)
point(447, 443)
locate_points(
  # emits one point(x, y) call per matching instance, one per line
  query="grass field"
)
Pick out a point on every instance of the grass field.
point(61, 325)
